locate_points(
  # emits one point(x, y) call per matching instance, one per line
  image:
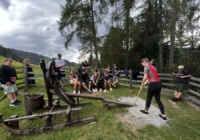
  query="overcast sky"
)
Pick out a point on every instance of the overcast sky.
point(31, 25)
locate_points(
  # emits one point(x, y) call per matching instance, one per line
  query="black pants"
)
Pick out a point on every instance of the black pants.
point(60, 73)
point(100, 84)
point(154, 90)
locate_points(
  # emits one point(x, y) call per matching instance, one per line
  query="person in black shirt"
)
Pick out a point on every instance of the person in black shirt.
point(7, 78)
point(182, 79)
point(30, 71)
point(85, 65)
point(74, 80)
point(109, 71)
point(107, 81)
point(84, 79)
point(116, 73)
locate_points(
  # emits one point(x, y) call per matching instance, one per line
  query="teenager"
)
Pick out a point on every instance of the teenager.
point(7, 78)
point(116, 73)
point(182, 82)
point(60, 67)
point(107, 82)
point(29, 69)
point(94, 81)
point(109, 71)
point(154, 89)
point(100, 83)
point(85, 80)
point(74, 80)
point(85, 65)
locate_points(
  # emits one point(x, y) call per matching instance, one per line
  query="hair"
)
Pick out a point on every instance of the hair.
point(7, 59)
point(26, 60)
point(114, 65)
point(72, 69)
point(145, 60)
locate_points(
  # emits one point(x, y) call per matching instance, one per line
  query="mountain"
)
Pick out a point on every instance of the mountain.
point(8, 53)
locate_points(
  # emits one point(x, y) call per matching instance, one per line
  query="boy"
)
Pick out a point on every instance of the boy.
point(60, 65)
point(107, 81)
point(7, 79)
point(116, 73)
point(84, 79)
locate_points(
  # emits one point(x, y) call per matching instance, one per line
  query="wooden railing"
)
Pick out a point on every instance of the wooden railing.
point(192, 94)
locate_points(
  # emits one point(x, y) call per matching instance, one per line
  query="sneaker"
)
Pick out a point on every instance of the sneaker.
point(96, 90)
point(79, 92)
point(74, 92)
point(14, 104)
point(18, 101)
point(88, 90)
point(174, 100)
point(105, 91)
point(111, 89)
point(93, 90)
point(100, 90)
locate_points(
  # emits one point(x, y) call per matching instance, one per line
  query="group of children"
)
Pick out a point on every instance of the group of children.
point(97, 82)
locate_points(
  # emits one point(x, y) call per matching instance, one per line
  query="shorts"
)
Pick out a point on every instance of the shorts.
point(9, 89)
point(73, 80)
point(115, 78)
point(180, 87)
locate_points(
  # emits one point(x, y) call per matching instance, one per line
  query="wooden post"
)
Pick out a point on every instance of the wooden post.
point(26, 105)
point(130, 78)
point(26, 76)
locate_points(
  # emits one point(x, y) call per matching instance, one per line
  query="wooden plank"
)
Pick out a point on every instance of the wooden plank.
point(20, 78)
point(117, 102)
point(168, 84)
point(84, 96)
point(194, 84)
point(40, 115)
point(20, 83)
point(193, 100)
point(164, 78)
point(35, 72)
point(195, 79)
point(3, 97)
point(35, 78)
point(19, 72)
point(194, 92)
point(19, 67)
point(36, 85)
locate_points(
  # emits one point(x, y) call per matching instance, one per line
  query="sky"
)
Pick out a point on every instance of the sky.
point(31, 25)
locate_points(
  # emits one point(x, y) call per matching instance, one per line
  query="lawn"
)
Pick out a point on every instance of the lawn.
point(184, 121)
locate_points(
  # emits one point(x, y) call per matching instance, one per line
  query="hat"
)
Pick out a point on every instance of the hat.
point(180, 67)
point(59, 55)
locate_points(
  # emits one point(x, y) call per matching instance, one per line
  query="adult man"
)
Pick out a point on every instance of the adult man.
point(116, 73)
point(182, 79)
point(85, 80)
point(60, 65)
point(7, 79)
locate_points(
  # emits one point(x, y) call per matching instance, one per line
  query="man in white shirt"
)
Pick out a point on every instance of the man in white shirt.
point(60, 65)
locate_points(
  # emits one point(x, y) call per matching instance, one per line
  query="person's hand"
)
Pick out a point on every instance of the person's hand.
point(181, 76)
point(141, 87)
point(8, 83)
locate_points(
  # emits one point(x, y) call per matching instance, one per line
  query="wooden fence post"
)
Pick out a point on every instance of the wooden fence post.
point(26, 76)
point(130, 78)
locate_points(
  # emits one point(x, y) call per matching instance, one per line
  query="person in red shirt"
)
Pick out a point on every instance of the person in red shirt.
point(154, 89)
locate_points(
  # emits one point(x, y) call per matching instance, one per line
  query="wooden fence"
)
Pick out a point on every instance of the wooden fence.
point(192, 94)
point(19, 81)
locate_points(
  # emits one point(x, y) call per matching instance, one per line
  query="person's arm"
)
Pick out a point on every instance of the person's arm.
point(186, 75)
point(3, 76)
point(30, 64)
point(144, 80)
point(70, 76)
point(175, 74)
point(118, 71)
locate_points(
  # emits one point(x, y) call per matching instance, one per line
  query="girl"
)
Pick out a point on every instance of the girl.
point(154, 89)
point(74, 80)
point(94, 81)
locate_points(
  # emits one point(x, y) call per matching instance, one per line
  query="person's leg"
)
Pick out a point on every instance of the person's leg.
point(105, 83)
point(179, 95)
point(109, 83)
point(157, 98)
point(89, 84)
point(79, 86)
point(10, 97)
point(150, 94)
point(83, 84)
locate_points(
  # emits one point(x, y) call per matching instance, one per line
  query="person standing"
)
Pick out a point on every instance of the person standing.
point(154, 89)
point(182, 82)
point(30, 71)
point(74, 80)
point(116, 73)
point(60, 67)
point(7, 78)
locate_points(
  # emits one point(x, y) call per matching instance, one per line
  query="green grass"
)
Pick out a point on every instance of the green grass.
point(184, 121)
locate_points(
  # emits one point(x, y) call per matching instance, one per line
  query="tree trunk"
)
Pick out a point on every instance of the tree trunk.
point(160, 34)
point(172, 41)
point(127, 24)
point(94, 36)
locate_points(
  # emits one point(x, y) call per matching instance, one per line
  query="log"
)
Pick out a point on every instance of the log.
point(194, 92)
point(84, 96)
point(40, 115)
point(195, 79)
point(194, 84)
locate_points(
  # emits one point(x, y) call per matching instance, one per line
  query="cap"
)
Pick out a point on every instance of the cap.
point(180, 67)
point(59, 55)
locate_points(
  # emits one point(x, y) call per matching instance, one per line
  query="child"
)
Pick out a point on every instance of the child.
point(107, 81)
point(84, 79)
point(116, 73)
point(94, 81)
point(100, 83)
point(74, 80)
point(7, 78)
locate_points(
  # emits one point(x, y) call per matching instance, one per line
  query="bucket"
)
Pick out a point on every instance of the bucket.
point(35, 102)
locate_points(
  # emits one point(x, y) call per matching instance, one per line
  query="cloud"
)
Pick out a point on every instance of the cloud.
point(32, 26)
point(5, 4)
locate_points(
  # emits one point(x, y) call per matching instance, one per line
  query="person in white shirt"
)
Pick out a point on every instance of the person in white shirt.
point(60, 65)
